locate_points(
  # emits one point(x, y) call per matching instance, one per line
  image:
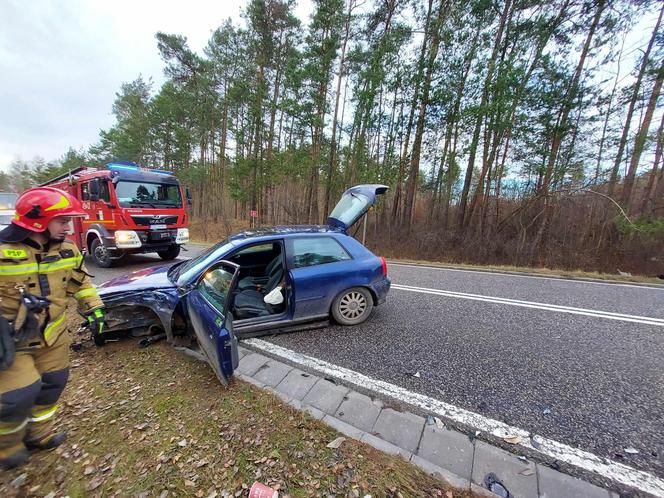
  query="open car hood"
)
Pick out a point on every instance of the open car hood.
point(354, 203)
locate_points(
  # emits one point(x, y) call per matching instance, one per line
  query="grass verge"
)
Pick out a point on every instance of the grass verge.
point(154, 422)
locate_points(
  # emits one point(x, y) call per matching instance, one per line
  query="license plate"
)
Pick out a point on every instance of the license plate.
point(157, 227)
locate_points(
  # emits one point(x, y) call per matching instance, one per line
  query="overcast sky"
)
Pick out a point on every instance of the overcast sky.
point(61, 63)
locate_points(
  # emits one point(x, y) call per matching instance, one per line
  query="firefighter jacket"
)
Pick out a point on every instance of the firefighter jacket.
point(55, 271)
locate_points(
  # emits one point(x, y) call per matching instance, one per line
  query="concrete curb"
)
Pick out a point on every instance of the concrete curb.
point(442, 452)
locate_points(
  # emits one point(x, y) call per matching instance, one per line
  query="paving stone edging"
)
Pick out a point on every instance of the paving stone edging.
point(440, 451)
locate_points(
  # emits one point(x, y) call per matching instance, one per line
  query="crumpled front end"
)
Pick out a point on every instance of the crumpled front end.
point(139, 311)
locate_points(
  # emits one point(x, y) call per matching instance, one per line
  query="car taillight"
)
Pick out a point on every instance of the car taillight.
point(384, 263)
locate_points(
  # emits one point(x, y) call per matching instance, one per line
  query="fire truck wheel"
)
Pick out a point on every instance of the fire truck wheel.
point(101, 255)
point(171, 253)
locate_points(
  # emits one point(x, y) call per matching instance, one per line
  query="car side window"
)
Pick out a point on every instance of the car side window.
point(256, 248)
point(312, 251)
point(215, 285)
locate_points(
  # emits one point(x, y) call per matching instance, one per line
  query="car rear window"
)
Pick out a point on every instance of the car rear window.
point(312, 251)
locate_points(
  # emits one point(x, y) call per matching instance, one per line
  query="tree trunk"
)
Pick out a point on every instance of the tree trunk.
point(561, 129)
point(222, 148)
point(333, 145)
point(648, 204)
point(454, 117)
point(273, 114)
point(632, 105)
point(641, 136)
point(608, 114)
point(389, 142)
point(396, 207)
point(480, 113)
point(419, 130)
point(258, 117)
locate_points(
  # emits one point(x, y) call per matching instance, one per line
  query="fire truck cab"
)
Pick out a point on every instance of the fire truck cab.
point(129, 210)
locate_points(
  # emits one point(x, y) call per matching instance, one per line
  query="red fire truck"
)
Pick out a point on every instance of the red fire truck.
point(130, 210)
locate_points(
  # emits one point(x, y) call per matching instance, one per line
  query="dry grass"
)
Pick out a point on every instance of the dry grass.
point(537, 271)
point(154, 422)
point(198, 238)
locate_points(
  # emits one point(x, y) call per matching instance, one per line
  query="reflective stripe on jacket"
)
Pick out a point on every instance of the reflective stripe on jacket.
point(56, 272)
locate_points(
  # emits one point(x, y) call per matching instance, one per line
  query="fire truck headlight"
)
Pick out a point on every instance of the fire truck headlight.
point(126, 239)
point(182, 236)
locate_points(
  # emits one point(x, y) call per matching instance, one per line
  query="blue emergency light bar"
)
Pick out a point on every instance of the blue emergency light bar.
point(129, 166)
point(121, 167)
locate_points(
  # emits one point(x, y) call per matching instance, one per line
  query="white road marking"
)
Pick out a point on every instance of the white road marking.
point(615, 471)
point(552, 277)
point(659, 322)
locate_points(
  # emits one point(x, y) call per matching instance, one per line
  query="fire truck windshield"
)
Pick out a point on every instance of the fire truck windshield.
point(140, 194)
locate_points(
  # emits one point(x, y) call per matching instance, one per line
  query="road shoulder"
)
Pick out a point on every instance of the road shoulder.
point(427, 442)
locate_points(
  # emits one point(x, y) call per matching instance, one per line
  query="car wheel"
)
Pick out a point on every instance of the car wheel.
point(353, 306)
point(100, 254)
point(170, 253)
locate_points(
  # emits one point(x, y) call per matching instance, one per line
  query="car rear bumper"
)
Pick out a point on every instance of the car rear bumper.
point(381, 288)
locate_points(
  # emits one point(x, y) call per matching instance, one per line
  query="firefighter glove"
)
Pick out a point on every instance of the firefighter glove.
point(96, 321)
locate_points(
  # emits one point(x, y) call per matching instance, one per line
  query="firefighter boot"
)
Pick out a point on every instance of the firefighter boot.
point(14, 460)
point(47, 443)
point(19, 387)
point(40, 434)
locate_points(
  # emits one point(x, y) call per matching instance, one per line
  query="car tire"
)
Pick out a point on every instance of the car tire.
point(171, 253)
point(352, 306)
point(100, 254)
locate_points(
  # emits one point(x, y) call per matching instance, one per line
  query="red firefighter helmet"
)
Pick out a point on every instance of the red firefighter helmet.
point(36, 207)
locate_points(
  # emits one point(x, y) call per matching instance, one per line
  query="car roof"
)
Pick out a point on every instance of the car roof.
point(283, 231)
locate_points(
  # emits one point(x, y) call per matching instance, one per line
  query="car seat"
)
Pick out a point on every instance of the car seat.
point(254, 282)
point(249, 303)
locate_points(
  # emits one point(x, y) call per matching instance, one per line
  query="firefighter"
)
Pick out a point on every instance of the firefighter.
point(39, 271)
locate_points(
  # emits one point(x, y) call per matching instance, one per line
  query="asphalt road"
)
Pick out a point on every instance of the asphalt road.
point(589, 381)
point(136, 262)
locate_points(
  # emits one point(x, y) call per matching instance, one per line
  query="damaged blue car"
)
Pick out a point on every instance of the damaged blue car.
point(263, 281)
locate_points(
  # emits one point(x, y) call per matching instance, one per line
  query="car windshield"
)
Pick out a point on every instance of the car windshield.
point(350, 208)
point(186, 271)
point(133, 194)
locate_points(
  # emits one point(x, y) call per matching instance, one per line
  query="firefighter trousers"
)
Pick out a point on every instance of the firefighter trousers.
point(29, 393)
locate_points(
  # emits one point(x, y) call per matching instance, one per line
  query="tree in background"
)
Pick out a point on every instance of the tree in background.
point(508, 131)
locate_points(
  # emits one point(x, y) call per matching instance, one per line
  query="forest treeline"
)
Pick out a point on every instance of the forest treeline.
point(509, 131)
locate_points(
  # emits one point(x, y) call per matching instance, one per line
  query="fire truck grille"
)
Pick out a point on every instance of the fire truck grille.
point(155, 220)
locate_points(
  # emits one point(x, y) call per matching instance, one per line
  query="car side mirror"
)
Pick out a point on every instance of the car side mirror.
point(94, 189)
point(188, 196)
